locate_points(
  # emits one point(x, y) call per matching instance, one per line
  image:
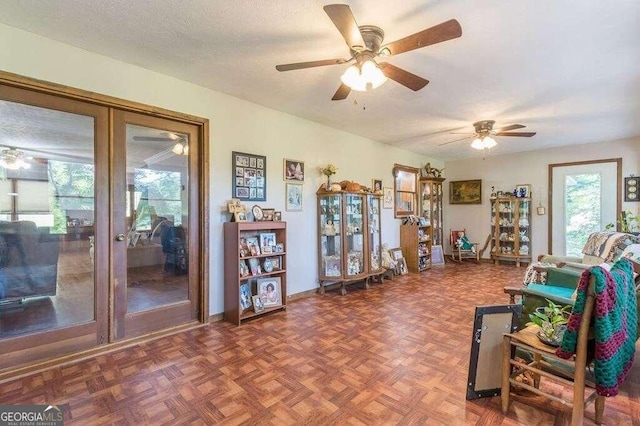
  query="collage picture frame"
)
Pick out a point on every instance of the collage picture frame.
point(249, 179)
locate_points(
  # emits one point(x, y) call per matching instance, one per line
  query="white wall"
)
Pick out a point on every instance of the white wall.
point(506, 171)
point(235, 125)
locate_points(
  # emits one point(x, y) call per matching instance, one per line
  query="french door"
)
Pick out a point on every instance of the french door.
point(100, 226)
point(154, 223)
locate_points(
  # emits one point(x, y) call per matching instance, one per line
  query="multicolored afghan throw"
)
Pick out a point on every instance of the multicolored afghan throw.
point(614, 323)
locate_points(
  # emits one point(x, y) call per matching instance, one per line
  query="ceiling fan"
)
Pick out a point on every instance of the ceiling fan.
point(484, 132)
point(181, 146)
point(365, 46)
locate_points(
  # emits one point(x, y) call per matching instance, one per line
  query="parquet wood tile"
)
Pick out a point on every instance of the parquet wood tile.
point(397, 353)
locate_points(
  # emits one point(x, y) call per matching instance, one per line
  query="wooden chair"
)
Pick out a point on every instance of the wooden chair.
point(458, 253)
point(545, 362)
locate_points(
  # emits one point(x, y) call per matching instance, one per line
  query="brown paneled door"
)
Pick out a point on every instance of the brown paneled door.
point(154, 232)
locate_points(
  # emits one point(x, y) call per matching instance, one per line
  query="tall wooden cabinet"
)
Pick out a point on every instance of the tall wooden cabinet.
point(415, 241)
point(511, 230)
point(430, 206)
point(349, 239)
point(255, 264)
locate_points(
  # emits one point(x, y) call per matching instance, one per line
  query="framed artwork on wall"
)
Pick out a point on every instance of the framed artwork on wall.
point(631, 187)
point(249, 179)
point(387, 198)
point(293, 170)
point(465, 192)
point(293, 197)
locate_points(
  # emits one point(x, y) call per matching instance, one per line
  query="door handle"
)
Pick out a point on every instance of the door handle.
point(120, 237)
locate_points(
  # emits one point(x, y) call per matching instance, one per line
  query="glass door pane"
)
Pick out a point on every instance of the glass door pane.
point(330, 235)
point(156, 219)
point(354, 206)
point(375, 246)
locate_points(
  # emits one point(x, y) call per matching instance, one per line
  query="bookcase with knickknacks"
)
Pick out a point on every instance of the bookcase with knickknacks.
point(511, 229)
point(430, 207)
point(415, 241)
point(349, 238)
point(255, 269)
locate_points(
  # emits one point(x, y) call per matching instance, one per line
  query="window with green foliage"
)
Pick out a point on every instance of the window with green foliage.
point(583, 199)
point(160, 195)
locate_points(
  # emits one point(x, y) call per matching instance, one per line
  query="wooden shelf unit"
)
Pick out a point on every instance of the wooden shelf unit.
point(430, 207)
point(415, 241)
point(233, 231)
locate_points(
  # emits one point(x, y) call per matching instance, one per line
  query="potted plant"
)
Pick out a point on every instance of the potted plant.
point(552, 320)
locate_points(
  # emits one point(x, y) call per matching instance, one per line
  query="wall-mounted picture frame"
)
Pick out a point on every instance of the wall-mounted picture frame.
point(523, 188)
point(465, 192)
point(631, 188)
point(293, 170)
point(270, 291)
point(249, 180)
point(376, 185)
point(293, 197)
point(387, 198)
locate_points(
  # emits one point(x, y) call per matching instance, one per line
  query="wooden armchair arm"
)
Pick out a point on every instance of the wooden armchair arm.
point(513, 291)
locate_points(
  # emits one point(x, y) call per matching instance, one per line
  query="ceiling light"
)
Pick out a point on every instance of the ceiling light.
point(484, 142)
point(180, 148)
point(358, 76)
point(13, 159)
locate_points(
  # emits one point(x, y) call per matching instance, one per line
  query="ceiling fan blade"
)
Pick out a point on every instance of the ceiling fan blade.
point(442, 32)
point(344, 21)
point(403, 77)
point(462, 133)
point(521, 134)
point(342, 93)
point(310, 64)
point(455, 140)
point(510, 127)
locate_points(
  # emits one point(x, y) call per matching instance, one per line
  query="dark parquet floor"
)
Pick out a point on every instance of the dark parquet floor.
point(397, 353)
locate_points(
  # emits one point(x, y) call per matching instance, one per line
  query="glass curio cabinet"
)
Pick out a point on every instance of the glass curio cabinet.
point(349, 243)
point(511, 229)
point(431, 207)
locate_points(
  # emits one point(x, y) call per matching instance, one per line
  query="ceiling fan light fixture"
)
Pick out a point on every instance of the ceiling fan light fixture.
point(358, 77)
point(13, 159)
point(180, 148)
point(484, 142)
point(351, 78)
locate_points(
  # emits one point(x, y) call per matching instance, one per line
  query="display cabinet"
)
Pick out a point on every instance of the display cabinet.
point(511, 230)
point(349, 248)
point(415, 241)
point(255, 269)
point(430, 207)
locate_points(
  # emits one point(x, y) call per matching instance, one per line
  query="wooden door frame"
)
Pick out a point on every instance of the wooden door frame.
point(61, 93)
point(618, 162)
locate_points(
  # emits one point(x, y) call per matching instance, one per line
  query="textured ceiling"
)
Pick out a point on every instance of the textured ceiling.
point(568, 70)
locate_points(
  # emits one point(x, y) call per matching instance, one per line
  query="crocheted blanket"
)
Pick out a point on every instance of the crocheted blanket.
point(614, 323)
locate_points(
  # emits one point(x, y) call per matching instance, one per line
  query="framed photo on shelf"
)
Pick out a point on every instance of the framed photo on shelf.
point(277, 216)
point(279, 248)
point(293, 197)
point(267, 214)
point(253, 246)
point(523, 188)
point(376, 185)
point(254, 265)
point(258, 306)
point(332, 266)
point(250, 176)
point(276, 261)
point(267, 242)
point(239, 216)
point(270, 291)
point(465, 192)
point(245, 296)
point(293, 170)
point(387, 198)
point(244, 269)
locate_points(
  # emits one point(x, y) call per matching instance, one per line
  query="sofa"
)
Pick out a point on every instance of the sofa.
point(28, 261)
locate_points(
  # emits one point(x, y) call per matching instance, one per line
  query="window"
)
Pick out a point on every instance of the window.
point(405, 184)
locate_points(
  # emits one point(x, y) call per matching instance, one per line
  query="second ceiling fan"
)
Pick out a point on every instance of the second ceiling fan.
point(365, 45)
point(484, 132)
